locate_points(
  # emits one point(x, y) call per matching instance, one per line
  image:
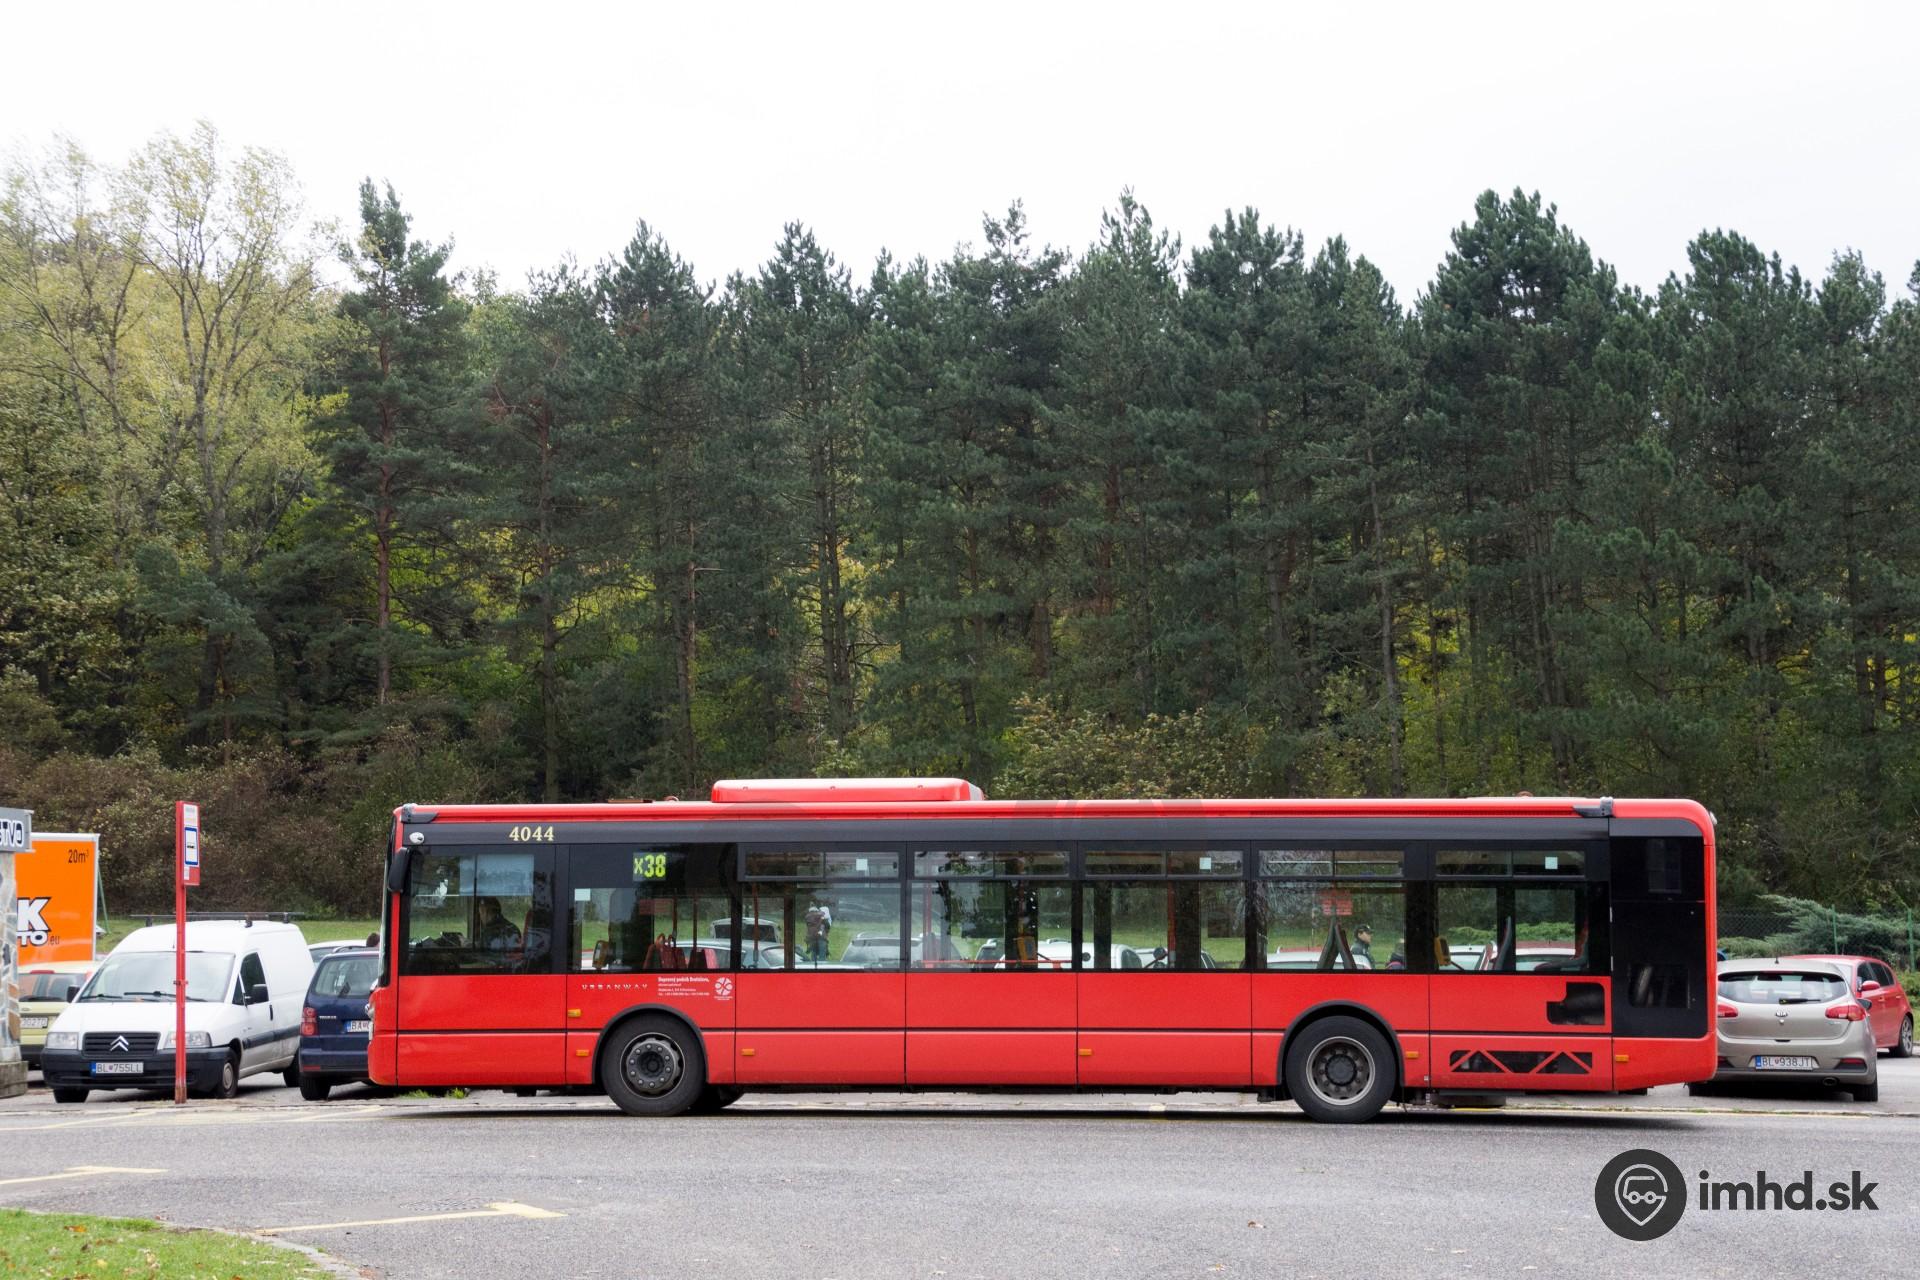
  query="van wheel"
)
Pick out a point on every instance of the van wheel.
point(291, 1076)
point(63, 1094)
point(229, 1085)
point(653, 1067)
point(315, 1090)
point(1341, 1071)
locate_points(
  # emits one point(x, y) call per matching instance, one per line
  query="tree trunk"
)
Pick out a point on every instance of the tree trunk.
point(1389, 676)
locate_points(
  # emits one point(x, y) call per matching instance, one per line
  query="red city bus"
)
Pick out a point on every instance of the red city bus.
point(908, 933)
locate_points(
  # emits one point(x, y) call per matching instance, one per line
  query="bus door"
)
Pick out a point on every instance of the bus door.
point(648, 928)
point(1662, 946)
point(1521, 998)
point(1165, 995)
point(479, 999)
point(822, 998)
point(990, 983)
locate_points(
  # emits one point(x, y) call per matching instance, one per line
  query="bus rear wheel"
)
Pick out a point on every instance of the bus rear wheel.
point(1340, 1071)
point(653, 1067)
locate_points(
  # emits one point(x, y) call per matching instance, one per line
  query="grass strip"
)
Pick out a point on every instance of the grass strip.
point(64, 1246)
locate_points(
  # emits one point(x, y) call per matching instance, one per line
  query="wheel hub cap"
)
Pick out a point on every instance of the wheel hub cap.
point(1341, 1071)
point(652, 1065)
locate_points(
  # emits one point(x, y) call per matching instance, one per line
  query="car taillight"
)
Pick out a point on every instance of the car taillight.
point(309, 1025)
point(1726, 1010)
point(1850, 1011)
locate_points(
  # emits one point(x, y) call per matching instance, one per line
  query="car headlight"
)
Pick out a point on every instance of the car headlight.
point(195, 1040)
point(63, 1039)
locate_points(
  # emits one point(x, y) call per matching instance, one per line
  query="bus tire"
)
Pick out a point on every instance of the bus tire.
point(653, 1066)
point(1341, 1070)
point(716, 1098)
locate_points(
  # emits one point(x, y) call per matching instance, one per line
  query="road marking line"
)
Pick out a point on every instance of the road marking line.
point(75, 1171)
point(498, 1209)
point(333, 1113)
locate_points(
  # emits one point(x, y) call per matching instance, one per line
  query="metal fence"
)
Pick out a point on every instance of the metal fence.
point(1796, 926)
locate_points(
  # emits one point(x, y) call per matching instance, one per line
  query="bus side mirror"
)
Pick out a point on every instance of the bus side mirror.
point(397, 865)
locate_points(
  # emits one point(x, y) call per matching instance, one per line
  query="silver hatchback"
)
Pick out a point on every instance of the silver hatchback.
point(1794, 1020)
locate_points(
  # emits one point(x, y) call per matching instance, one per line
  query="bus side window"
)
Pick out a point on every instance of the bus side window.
point(480, 912)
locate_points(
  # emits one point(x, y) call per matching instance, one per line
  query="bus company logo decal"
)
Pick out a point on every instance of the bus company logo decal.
point(1641, 1195)
point(723, 988)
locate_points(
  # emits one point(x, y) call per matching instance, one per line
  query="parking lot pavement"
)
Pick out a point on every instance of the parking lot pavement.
point(968, 1184)
point(952, 1185)
point(1899, 1096)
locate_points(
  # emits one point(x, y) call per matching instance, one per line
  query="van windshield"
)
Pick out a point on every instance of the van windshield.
point(148, 975)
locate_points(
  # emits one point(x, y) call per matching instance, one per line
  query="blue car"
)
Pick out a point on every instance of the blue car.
point(335, 1025)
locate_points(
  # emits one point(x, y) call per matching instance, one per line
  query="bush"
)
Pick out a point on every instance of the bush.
point(283, 833)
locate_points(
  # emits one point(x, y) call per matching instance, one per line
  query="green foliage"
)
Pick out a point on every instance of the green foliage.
point(1193, 755)
point(1797, 926)
point(1227, 521)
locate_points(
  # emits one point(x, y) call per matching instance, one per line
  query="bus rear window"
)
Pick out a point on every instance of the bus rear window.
point(349, 976)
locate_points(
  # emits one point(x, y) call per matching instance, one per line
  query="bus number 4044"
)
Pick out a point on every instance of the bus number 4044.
point(531, 834)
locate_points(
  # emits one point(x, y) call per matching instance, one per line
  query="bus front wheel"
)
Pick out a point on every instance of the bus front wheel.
point(653, 1067)
point(1341, 1070)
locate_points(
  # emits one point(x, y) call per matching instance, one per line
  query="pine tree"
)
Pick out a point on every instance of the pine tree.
point(554, 527)
point(1516, 410)
point(402, 367)
point(1119, 405)
point(967, 495)
point(661, 329)
point(805, 334)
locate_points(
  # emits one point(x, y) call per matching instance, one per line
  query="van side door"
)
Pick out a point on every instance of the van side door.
point(256, 1038)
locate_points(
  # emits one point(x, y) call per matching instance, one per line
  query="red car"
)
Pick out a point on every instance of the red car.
point(1888, 1010)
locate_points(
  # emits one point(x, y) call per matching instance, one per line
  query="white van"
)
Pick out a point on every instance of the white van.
point(246, 982)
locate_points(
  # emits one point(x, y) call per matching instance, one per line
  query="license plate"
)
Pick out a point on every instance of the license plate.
point(32, 1020)
point(116, 1068)
point(1783, 1064)
point(361, 1026)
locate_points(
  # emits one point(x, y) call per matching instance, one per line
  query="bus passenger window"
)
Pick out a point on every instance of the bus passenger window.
point(660, 909)
point(989, 911)
point(1514, 927)
point(1345, 926)
point(480, 913)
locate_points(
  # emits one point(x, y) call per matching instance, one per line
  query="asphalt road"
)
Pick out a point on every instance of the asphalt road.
point(973, 1185)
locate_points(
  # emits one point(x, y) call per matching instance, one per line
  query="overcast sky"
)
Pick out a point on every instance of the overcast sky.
point(532, 130)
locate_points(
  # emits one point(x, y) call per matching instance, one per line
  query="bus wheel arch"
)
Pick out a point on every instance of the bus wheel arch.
point(666, 1070)
point(1363, 1035)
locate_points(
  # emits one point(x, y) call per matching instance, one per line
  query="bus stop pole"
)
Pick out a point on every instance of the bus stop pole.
point(186, 871)
point(179, 956)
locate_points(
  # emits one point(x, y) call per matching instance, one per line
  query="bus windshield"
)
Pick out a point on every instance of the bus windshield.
point(148, 975)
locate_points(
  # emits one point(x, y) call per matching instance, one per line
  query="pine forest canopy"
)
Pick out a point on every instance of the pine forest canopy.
point(1145, 518)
